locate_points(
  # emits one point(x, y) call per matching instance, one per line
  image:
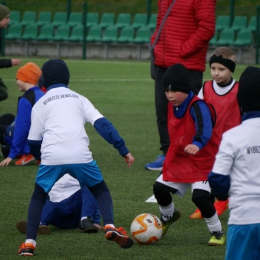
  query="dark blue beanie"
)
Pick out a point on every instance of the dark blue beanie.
point(55, 71)
point(248, 95)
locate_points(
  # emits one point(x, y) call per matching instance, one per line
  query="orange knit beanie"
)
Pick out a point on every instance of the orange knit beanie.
point(29, 73)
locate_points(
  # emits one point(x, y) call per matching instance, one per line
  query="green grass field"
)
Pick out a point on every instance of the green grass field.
point(124, 93)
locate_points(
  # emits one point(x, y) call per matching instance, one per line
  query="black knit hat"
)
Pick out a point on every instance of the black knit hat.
point(248, 95)
point(55, 71)
point(4, 11)
point(177, 78)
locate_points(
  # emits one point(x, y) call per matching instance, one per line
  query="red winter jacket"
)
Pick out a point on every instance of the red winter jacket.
point(186, 33)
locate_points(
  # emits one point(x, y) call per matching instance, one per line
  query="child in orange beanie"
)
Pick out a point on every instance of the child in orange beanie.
point(16, 135)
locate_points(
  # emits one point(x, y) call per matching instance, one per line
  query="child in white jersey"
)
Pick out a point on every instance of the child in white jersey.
point(236, 172)
point(58, 138)
point(221, 93)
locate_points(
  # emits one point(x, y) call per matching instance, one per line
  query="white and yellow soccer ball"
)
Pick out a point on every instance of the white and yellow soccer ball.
point(146, 228)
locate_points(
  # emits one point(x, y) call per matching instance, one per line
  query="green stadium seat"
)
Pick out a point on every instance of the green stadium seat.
point(223, 22)
point(59, 18)
point(14, 32)
point(139, 20)
point(77, 33)
point(226, 37)
point(75, 18)
point(46, 33)
point(252, 24)
point(62, 33)
point(44, 18)
point(239, 22)
point(123, 19)
point(92, 19)
point(244, 37)
point(30, 32)
point(143, 35)
point(152, 22)
point(15, 17)
point(110, 34)
point(29, 17)
point(214, 40)
point(126, 34)
point(107, 19)
point(94, 33)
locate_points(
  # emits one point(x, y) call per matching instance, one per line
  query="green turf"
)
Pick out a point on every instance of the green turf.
point(124, 93)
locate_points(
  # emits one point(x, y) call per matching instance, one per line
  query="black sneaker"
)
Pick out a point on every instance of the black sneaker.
point(86, 225)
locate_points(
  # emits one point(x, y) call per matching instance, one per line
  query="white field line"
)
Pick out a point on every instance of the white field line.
point(89, 80)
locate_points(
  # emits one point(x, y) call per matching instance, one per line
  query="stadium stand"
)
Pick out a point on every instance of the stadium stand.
point(46, 33)
point(44, 18)
point(28, 18)
point(14, 32)
point(223, 22)
point(30, 32)
point(226, 37)
point(76, 33)
point(139, 20)
point(252, 24)
point(94, 33)
point(62, 33)
point(92, 19)
point(59, 18)
point(107, 19)
point(126, 34)
point(15, 17)
point(123, 19)
point(75, 18)
point(152, 22)
point(110, 34)
point(240, 22)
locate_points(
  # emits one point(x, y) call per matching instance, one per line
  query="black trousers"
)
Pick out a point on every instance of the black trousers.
point(201, 198)
point(5, 120)
point(3, 91)
point(161, 103)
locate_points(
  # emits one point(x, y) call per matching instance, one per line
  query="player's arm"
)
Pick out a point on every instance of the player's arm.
point(106, 130)
point(110, 134)
point(219, 178)
point(205, 18)
point(202, 118)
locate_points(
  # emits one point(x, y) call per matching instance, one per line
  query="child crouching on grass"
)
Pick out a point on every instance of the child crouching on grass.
point(190, 156)
point(15, 136)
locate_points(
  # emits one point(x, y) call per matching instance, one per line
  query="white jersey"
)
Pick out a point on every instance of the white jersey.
point(239, 157)
point(219, 90)
point(64, 188)
point(58, 119)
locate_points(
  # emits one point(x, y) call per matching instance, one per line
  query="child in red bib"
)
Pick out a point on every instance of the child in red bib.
point(221, 92)
point(191, 153)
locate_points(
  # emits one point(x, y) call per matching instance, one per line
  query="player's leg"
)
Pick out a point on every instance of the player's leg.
point(220, 206)
point(201, 198)
point(243, 242)
point(89, 175)
point(161, 106)
point(88, 208)
point(46, 177)
point(162, 192)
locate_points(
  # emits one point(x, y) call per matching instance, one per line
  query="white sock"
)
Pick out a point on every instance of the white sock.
point(214, 224)
point(83, 218)
point(30, 241)
point(167, 211)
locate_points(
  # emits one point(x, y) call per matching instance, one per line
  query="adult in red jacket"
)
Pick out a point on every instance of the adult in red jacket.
point(184, 39)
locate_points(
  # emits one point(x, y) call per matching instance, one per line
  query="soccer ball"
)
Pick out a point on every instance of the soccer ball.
point(146, 228)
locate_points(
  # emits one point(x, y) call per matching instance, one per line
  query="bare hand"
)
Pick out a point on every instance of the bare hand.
point(15, 62)
point(191, 149)
point(129, 159)
point(98, 226)
point(6, 161)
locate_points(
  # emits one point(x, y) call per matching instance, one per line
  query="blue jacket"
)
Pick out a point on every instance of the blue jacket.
point(23, 122)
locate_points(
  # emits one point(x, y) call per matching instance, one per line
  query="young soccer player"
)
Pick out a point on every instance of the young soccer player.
point(221, 92)
point(16, 135)
point(68, 206)
point(190, 156)
point(58, 137)
point(236, 172)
